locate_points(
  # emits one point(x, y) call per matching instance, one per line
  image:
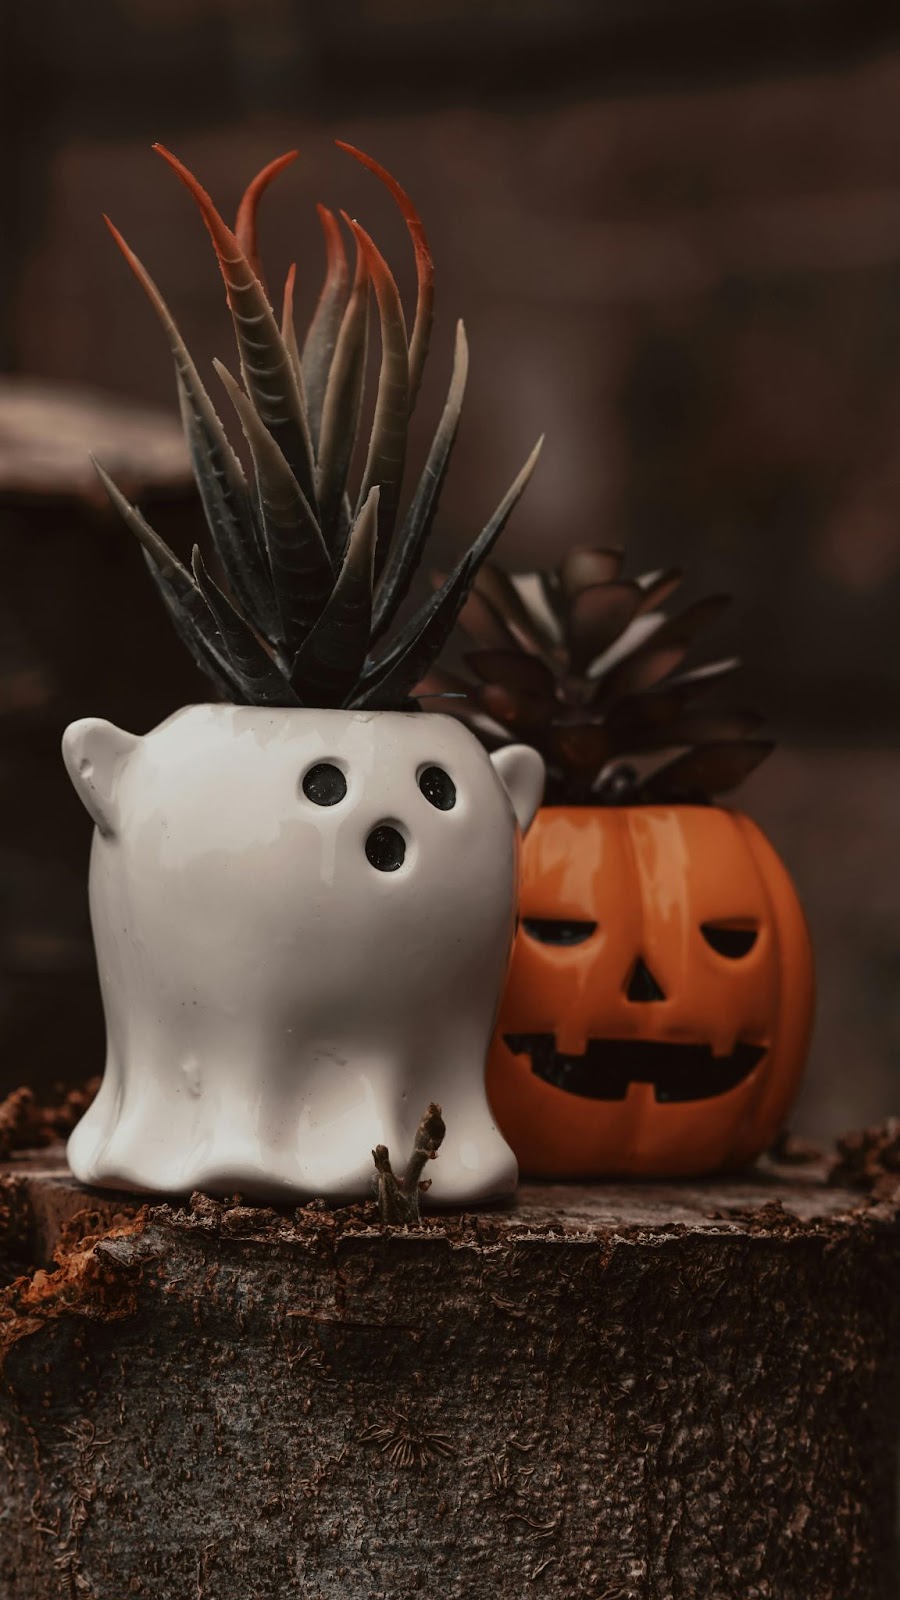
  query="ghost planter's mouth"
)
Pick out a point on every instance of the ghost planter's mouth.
point(678, 1072)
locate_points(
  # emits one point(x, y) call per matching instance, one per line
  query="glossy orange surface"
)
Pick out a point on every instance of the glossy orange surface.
point(670, 1039)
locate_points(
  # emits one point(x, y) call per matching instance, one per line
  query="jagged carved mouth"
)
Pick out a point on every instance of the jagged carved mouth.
point(678, 1072)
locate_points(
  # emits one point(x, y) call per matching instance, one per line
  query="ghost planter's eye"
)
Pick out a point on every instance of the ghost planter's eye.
point(324, 784)
point(729, 938)
point(385, 848)
point(438, 788)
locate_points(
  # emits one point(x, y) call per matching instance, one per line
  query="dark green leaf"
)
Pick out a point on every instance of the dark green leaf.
point(321, 337)
point(406, 551)
point(430, 626)
point(264, 683)
point(330, 662)
point(178, 590)
point(190, 618)
point(387, 442)
point(341, 410)
point(394, 683)
point(289, 332)
point(301, 569)
point(217, 471)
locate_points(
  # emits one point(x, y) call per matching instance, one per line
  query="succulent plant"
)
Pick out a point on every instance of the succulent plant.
point(584, 665)
point(311, 569)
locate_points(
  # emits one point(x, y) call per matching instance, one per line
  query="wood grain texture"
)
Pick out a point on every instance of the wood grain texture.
point(649, 1391)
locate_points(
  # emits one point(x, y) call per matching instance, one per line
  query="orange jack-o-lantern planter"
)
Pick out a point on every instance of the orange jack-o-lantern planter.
point(659, 1003)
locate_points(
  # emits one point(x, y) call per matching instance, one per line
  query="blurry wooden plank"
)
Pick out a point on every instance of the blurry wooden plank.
point(48, 433)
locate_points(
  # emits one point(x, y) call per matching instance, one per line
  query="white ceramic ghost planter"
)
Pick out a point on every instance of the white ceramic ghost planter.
point(302, 922)
point(303, 917)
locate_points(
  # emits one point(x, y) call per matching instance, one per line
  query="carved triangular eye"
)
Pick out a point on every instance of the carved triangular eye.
point(730, 939)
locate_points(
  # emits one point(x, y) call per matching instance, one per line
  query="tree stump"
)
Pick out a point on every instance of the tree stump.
point(672, 1392)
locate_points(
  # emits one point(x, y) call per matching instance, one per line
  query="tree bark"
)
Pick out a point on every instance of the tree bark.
point(682, 1392)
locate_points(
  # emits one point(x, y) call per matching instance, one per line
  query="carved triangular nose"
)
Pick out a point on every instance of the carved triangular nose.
point(642, 985)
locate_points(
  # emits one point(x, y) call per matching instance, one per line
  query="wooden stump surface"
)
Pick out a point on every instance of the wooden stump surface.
point(654, 1391)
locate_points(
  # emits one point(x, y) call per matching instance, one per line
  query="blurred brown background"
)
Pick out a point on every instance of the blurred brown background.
point(673, 229)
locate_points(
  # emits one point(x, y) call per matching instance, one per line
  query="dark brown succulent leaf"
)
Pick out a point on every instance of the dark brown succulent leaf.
point(482, 622)
point(263, 681)
point(514, 670)
point(583, 568)
point(647, 715)
point(330, 662)
point(642, 734)
point(582, 748)
point(705, 677)
point(341, 410)
point(245, 227)
point(265, 363)
point(656, 587)
point(300, 564)
point(421, 334)
point(597, 617)
point(387, 441)
point(554, 596)
point(639, 673)
point(321, 336)
point(709, 769)
point(406, 550)
point(524, 714)
point(662, 653)
point(525, 613)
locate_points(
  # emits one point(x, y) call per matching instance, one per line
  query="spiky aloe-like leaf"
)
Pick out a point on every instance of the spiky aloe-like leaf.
point(427, 631)
point(301, 570)
point(407, 549)
point(245, 227)
point(217, 471)
point(266, 366)
point(331, 659)
point(288, 329)
point(321, 338)
point(301, 610)
point(265, 682)
point(421, 334)
point(342, 406)
point(387, 442)
point(180, 595)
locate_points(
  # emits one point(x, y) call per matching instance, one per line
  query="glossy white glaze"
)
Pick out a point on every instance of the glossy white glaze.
point(275, 1006)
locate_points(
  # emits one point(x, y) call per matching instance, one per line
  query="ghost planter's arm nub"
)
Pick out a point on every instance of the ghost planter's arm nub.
point(94, 752)
point(522, 772)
